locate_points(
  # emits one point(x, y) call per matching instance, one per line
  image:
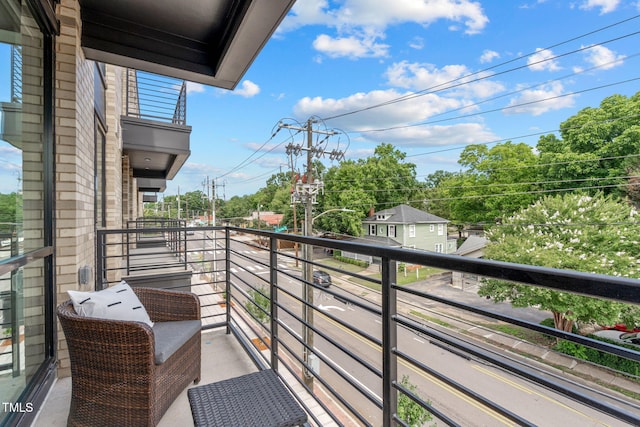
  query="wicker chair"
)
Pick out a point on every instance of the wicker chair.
point(115, 380)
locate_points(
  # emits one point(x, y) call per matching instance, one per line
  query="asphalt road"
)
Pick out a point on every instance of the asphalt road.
point(535, 404)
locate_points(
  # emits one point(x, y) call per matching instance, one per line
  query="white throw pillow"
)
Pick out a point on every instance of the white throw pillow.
point(118, 302)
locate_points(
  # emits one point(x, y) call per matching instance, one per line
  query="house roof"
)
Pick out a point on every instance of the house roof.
point(472, 244)
point(376, 240)
point(405, 214)
point(272, 219)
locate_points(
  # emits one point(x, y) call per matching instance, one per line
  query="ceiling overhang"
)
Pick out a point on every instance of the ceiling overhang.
point(211, 42)
point(151, 185)
point(156, 150)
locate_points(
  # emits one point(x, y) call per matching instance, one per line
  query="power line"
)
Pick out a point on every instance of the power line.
point(519, 167)
point(546, 132)
point(502, 96)
point(459, 81)
point(246, 161)
point(509, 194)
point(506, 184)
point(464, 80)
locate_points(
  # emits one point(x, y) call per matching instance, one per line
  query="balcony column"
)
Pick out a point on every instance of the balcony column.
point(389, 342)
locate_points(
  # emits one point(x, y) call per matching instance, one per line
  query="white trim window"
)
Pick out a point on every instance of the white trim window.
point(440, 229)
point(439, 247)
point(412, 230)
point(372, 229)
point(432, 228)
point(391, 231)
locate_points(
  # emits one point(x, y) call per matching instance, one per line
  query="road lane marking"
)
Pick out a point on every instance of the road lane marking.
point(428, 377)
point(531, 391)
point(329, 307)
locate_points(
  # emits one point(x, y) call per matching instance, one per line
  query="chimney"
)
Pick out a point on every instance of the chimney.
point(371, 211)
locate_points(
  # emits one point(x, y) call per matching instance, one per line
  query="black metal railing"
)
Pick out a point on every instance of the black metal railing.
point(367, 346)
point(154, 97)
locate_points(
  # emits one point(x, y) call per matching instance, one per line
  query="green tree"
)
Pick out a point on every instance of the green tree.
point(235, 209)
point(598, 150)
point(10, 206)
point(595, 234)
point(380, 181)
point(259, 304)
point(411, 412)
point(437, 194)
point(496, 182)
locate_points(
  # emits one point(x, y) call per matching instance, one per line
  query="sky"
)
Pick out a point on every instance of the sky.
point(466, 72)
point(428, 76)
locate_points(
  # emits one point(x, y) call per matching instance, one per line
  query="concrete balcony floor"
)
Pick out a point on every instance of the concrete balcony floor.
point(222, 358)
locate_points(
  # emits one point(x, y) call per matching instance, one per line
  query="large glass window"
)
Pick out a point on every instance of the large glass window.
point(25, 204)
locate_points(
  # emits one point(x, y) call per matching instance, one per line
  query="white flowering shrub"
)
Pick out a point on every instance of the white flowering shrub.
point(593, 234)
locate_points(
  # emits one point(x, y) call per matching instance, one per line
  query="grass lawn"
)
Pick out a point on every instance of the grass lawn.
point(411, 276)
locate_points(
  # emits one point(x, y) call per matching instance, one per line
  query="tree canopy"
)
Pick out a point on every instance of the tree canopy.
point(496, 182)
point(599, 148)
point(380, 181)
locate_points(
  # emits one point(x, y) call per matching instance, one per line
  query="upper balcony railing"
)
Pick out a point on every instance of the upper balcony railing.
point(367, 346)
point(158, 98)
point(16, 73)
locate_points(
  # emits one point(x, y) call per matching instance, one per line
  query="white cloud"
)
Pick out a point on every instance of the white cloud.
point(351, 47)
point(488, 56)
point(540, 100)
point(248, 89)
point(436, 136)
point(193, 87)
point(541, 61)
point(416, 43)
point(426, 76)
point(9, 150)
point(413, 110)
point(418, 76)
point(600, 56)
point(383, 13)
point(532, 5)
point(605, 6)
point(361, 23)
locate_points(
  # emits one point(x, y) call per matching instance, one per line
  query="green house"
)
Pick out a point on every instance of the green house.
point(411, 227)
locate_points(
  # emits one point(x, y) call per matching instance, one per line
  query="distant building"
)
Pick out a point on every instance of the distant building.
point(270, 218)
point(473, 247)
point(411, 228)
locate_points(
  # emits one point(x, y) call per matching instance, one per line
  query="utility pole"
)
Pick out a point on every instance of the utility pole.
point(205, 184)
point(305, 191)
point(213, 201)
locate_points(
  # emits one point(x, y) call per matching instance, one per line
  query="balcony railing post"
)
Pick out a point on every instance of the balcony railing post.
point(128, 251)
point(389, 342)
point(101, 250)
point(273, 298)
point(227, 266)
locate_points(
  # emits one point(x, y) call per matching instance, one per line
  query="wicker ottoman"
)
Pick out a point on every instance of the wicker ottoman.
point(258, 399)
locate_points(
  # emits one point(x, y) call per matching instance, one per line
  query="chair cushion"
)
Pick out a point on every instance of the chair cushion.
point(170, 336)
point(118, 302)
